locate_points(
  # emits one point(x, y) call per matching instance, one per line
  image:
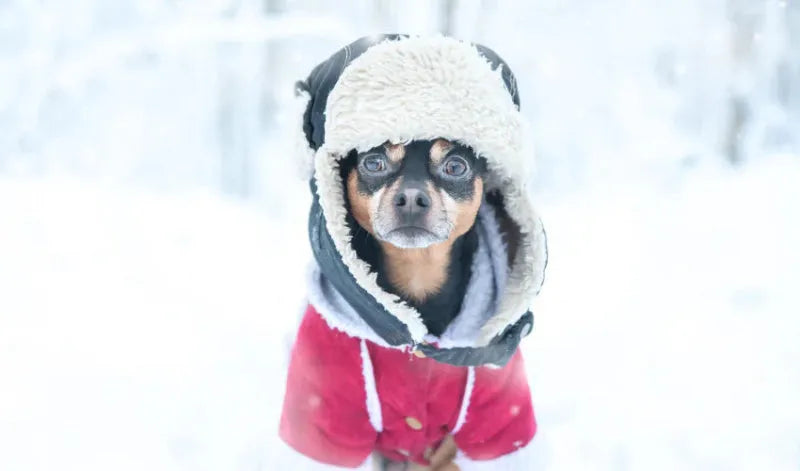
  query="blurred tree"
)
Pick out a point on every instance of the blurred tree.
point(273, 58)
point(447, 16)
point(790, 74)
point(743, 18)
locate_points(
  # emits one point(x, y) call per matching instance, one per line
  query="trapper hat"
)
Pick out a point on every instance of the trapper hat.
point(398, 88)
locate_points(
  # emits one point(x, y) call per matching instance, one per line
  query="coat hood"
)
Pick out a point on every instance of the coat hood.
point(398, 89)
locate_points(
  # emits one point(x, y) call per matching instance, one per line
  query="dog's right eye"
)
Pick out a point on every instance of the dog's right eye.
point(374, 163)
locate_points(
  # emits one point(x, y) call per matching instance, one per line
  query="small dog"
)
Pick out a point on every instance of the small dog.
point(427, 255)
point(418, 203)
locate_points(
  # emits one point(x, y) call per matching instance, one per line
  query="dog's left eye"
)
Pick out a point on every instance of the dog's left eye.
point(374, 163)
point(455, 166)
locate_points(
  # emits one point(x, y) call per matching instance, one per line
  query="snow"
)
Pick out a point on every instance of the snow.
point(142, 329)
point(146, 314)
point(667, 335)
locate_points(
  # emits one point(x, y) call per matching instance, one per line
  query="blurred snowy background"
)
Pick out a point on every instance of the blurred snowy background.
point(153, 248)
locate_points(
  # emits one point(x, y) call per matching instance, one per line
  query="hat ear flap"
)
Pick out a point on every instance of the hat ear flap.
point(304, 130)
point(508, 77)
point(303, 94)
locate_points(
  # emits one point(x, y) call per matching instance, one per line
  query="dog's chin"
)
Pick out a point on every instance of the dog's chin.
point(411, 237)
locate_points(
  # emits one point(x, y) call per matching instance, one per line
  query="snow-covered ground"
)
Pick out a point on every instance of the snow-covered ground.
point(143, 330)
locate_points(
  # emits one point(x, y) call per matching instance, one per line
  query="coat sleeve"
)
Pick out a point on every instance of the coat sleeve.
point(324, 414)
point(499, 422)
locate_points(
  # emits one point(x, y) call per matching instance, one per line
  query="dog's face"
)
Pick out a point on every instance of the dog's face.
point(417, 194)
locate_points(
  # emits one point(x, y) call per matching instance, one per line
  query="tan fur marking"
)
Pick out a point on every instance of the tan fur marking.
point(439, 149)
point(359, 202)
point(419, 273)
point(395, 152)
point(468, 210)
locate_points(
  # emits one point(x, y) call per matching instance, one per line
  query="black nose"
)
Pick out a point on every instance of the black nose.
point(412, 200)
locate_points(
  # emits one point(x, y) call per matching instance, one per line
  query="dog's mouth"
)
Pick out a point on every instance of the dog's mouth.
point(411, 237)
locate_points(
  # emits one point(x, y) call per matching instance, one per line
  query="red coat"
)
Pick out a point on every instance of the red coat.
point(347, 397)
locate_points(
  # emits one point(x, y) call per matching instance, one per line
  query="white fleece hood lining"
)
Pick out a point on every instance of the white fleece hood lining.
point(425, 88)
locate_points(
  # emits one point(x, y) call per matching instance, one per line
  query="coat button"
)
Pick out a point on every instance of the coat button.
point(414, 423)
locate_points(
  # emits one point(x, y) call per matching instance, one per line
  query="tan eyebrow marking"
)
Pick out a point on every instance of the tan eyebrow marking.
point(439, 149)
point(395, 152)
